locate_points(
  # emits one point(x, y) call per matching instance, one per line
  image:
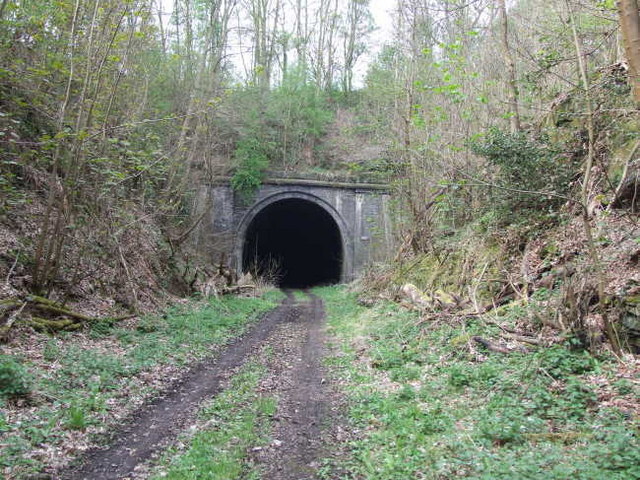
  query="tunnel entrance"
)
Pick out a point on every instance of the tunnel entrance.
point(295, 243)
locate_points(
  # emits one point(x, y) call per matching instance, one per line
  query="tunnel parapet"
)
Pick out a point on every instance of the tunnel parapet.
point(360, 212)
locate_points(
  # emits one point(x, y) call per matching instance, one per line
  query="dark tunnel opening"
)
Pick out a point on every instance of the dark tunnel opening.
point(294, 243)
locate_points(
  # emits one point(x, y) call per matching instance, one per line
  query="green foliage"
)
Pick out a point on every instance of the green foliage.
point(102, 328)
point(76, 419)
point(559, 362)
point(299, 109)
point(530, 174)
point(15, 380)
point(532, 415)
point(251, 164)
point(459, 376)
point(150, 325)
point(278, 128)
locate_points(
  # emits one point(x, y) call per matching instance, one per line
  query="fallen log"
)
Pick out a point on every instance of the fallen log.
point(9, 302)
point(498, 302)
point(237, 289)
point(54, 325)
point(6, 328)
point(524, 339)
point(54, 307)
point(73, 321)
point(494, 347)
point(543, 341)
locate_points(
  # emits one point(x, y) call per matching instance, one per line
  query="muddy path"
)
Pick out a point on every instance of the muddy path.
point(305, 400)
point(294, 332)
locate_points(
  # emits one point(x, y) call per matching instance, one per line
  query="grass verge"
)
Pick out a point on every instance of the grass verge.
point(427, 404)
point(78, 384)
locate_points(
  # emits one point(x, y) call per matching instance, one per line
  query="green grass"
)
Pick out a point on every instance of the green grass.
point(300, 296)
point(86, 382)
point(237, 420)
point(430, 409)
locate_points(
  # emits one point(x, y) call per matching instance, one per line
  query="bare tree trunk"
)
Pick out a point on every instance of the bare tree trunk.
point(630, 25)
point(512, 87)
point(333, 25)
point(188, 38)
point(350, 41)
point(118, 77)
point(302, 32)
point(610, 330)
point(41, 254)
point(271, 51)
point(2, 7)
point(163, 37)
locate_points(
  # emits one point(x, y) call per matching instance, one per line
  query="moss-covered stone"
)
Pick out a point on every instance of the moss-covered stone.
point(629, 308)
point(455, 271)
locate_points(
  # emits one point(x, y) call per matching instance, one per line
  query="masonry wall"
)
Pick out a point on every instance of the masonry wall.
point(361, 212)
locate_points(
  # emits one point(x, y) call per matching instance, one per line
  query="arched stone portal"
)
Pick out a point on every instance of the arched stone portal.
point(298, 239)
point(352, 219)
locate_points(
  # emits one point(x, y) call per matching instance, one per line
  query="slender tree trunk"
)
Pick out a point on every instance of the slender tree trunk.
point(271, 51)
point(163, 38)
point(630, 25)
point(188, 40)
point(349, 45)
point(333, 26)
point(609, 327)
point(41, 255)
point(512, 86)
point(118, 77)
point(301, 40)
point(2, 7)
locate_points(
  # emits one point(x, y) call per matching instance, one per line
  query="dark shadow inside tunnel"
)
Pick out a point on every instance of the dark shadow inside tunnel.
point(295, 243)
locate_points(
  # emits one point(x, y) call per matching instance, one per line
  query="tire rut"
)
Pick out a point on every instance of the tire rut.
point(298, 381)
point(162, 419)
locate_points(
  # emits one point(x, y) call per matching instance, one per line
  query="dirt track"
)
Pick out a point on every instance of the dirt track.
point(294, 332)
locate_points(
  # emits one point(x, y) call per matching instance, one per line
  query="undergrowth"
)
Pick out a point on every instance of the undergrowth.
point(14, 379)
point(80, 381)
point(431, 405)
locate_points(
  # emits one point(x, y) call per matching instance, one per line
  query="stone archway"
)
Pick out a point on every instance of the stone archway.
point(298, 233)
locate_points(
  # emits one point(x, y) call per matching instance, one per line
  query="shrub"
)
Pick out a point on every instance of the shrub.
point(14, 379)
point(251, 164)
point(523, 164)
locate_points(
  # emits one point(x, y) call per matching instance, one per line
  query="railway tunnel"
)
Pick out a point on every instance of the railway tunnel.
point(295, 243)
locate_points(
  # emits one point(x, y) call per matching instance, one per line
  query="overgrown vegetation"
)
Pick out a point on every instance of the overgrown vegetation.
point(515, 180)
point(532, 175)
point(432, 403)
